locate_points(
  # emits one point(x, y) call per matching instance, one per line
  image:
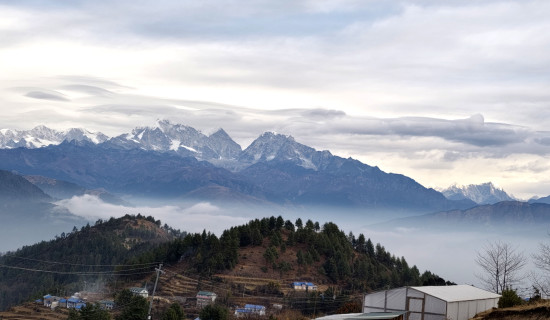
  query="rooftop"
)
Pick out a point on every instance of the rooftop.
point(457, 293)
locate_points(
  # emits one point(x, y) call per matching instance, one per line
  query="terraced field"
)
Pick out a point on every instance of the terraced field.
point(33, 311)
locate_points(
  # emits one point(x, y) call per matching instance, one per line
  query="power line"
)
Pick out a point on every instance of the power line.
point(83, 265)
point(118, 273)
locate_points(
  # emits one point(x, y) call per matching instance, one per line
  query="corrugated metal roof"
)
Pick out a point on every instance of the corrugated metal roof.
point(364, 316)
point(378, 316)
point(457, 293)
point(339, 316)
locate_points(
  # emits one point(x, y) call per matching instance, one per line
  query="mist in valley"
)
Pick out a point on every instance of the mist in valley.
point(449, 252)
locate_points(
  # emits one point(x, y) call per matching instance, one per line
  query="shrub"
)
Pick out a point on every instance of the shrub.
point(214, 312)
point(509, 299)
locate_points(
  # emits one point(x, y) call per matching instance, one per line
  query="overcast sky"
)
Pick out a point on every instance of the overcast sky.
point(442, 91)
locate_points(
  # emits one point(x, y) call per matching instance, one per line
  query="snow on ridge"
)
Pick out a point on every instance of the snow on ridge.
point(190, 149)
point(483, 193)
point(94, 138)
point(175, 145)
point(140, 135)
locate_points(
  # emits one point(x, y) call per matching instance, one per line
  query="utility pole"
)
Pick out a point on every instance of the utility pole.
point(315, 304)
point(159, 271)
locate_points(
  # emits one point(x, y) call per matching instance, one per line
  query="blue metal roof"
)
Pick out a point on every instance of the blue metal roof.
point(298, 283)
point(253, 306)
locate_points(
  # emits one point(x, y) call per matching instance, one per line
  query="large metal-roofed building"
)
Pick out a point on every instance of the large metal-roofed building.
point(460, 302)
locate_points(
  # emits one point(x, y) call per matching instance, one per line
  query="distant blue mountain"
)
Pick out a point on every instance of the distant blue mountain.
point(541, 200)
point(27, 213)
point(173, 161)
point(59, 189)
point(513, 216)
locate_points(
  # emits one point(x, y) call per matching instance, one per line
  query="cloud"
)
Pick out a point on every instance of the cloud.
point(91, 90)
point(55, 96)
point(193, 218)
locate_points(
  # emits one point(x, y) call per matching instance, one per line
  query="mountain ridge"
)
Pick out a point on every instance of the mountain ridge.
point(176, 161)
point(27, 210)
point(514, 216)
point(484, 193)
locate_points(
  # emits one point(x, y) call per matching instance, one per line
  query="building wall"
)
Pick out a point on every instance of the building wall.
point(465, 310)
point(420, 305)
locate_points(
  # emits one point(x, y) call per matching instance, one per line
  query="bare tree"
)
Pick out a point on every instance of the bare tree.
point(501, 265)
point(542, 262)
point(542, 259)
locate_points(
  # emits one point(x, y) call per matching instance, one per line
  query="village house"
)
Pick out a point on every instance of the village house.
point(307, 286)
point(51, 301)
point(205, 298)
point(137, 291)
point(63, 303)
point(75, 303)
point(250, 309)
point(106, 304)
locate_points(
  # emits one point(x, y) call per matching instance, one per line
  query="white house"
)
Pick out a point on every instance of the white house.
point(139, 292)
point(460, 302)
point(205, 298)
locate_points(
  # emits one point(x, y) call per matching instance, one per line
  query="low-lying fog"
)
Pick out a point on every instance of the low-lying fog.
point(448, 253)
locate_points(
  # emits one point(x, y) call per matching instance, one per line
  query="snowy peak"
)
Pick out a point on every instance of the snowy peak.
point(85, 135)
point(225, 147)
point(277, 147)
point(268, 146)
point(42, 136)
point(485, 193)
point(184, 140)
point(220, 134)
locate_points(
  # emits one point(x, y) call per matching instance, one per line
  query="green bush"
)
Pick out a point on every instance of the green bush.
point(214, 312)
point(509, 299)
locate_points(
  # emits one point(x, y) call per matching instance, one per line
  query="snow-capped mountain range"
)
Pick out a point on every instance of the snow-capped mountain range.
point(177, 161)
point(42, 136)
point(485, 193)
point(217, 148)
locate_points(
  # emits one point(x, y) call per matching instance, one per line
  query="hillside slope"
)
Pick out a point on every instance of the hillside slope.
point(86, 255)
point(252, 263)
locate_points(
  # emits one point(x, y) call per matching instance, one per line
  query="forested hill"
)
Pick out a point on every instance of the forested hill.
point(87, 255)
point(273, 247)
point(269, 248)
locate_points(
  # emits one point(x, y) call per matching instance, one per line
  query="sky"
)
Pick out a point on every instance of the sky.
point(442, 91)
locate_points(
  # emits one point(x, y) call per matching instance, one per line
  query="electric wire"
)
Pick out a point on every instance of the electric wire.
point(117, 273)
point(76, 264)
